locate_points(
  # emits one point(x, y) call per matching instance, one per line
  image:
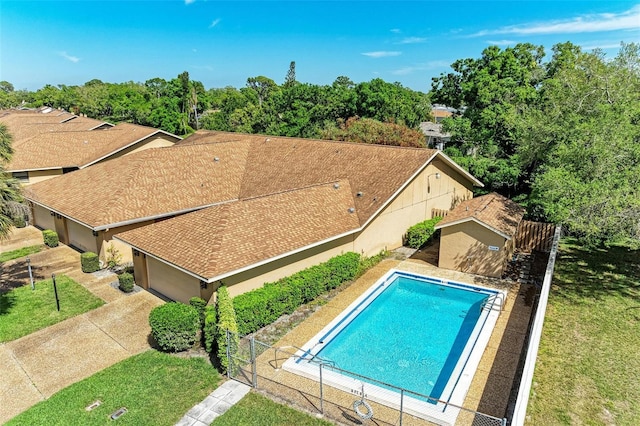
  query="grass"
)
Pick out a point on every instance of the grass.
point(255, 409)
point(156, 389)
point(588, 363)
point(21, 252)
point(23, 311)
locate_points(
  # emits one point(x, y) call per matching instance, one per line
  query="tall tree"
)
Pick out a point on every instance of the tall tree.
point(290, 79)
point(11, 206)
point(584, 138)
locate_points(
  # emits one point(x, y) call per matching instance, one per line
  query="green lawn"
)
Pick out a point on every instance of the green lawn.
point(588, 363)
point(23, 311)
point(255, 409)
point(155, 388)
point(21, 252)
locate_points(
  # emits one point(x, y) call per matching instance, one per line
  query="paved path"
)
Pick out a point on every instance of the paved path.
point(36, 366)
point(216, 404)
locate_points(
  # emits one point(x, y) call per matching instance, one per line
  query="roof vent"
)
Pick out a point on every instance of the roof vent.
point(336, 185)
point(267, 140)
point(352, 210)
point(467, 208)
point(86, 142)
point(359, 194)
point(216, 159)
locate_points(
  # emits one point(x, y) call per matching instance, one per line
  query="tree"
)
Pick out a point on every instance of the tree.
point(6, 87)
point(262, 86)
point(584, 139)
point(491, 91)
point(368, 130)
point(11, 207)
point(290, 79)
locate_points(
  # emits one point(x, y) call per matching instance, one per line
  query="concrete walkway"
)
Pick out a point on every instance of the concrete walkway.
point(36, 366)
point(216, 404)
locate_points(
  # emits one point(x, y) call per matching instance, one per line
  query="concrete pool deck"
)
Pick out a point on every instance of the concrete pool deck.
point(490, 389)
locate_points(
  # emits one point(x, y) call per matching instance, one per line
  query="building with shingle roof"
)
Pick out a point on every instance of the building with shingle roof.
point(56, 149)
point(478, 235)
point(246, 209)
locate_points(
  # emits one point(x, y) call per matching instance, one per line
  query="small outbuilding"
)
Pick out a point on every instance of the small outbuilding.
point(478, 235)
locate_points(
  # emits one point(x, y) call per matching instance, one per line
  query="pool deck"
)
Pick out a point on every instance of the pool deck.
point(491, 386)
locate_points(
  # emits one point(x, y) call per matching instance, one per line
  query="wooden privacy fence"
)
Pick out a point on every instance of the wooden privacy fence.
point(438, 212)
point(534, 236)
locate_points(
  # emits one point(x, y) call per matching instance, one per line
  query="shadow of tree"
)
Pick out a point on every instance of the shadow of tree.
point(7, 300)
point(17, 274)
point(593, 273)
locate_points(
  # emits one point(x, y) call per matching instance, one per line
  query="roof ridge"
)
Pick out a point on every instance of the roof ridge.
point(302, 188)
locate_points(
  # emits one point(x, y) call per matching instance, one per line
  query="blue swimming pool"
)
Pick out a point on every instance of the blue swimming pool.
point(407, 331)
point(411, 335)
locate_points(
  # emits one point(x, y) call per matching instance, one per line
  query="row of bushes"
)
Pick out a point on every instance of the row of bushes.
point(421, 233)
point(263, 306)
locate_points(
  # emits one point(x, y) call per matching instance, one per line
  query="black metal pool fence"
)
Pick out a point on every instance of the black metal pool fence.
point(259, 365)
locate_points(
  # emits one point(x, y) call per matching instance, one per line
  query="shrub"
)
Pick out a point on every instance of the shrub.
point(210, 326)
point(419, 234)
point(19, 221)
point(174, 326)
point(89, 262)
point(262, 306)
point(50, 238)
point(114, 257)
point(367, 263)
point(199, 303)
point(226, 321)
point(125, 282)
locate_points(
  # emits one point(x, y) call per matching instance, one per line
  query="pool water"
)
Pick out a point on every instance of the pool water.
point(411, 335)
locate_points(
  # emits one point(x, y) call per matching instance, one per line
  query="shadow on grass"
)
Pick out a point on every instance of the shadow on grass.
point(596, 272)
point(17, 274)
point(7, 300)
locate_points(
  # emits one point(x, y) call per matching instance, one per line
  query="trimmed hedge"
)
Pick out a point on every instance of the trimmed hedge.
point(19, 221)
point(200, 304)
point(209, 328)
point(50, 238)
point(260, 307)
point(174, 326)
point(90, 262)
point(125, 282)
point(226, 321)
point(422, 232)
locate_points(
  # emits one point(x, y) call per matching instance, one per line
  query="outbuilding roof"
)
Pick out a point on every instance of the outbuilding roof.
point(492, 211)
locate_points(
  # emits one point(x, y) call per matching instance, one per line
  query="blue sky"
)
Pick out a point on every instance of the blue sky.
point(222, 43)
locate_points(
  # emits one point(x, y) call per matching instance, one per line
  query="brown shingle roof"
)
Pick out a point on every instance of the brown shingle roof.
point(149, 183)
point(231, 236)
point(57, 149)
point(493, 211)
point(25, 125)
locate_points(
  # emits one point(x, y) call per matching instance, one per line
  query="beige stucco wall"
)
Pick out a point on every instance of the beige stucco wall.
point(42, 218)
point(273, 271)
point(81, 237)
point(465, 247)
point(171, 282)
point(36, 176)
point(414, 205)
point(105, 239)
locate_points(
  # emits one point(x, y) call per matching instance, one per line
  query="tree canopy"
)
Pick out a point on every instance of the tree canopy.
point(10, 191)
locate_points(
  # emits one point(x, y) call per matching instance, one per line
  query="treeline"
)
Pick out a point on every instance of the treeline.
point(560, 136)
point(390, 112)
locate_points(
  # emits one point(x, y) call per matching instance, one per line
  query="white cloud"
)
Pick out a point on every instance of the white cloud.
point(68, 57)
point(501, 42)
point(600, 45)
point(395, 30)
point(214, 23)
point(382, 54)
point(188, 2)
point(421, 67)
point(628, 20)
point(412, 40)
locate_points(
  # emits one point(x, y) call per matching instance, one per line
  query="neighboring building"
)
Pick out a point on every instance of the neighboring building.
point(300, 202)
point(436, 138)
point(478, 235)
point(52, 153)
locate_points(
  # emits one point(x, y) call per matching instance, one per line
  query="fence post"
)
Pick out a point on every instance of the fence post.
point(401, 404)
point(254, 364)
point(321, 394)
